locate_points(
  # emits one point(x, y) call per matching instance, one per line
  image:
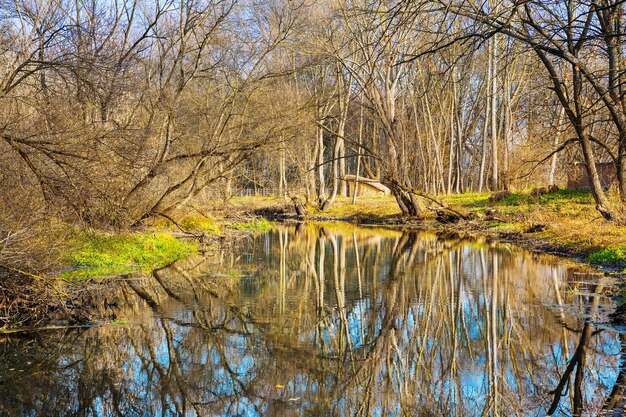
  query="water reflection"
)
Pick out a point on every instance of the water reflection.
point(338, 321)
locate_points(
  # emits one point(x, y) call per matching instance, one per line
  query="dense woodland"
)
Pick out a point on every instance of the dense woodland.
point(113, 112)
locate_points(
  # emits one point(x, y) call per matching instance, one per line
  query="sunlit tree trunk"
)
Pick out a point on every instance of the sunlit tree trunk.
point(355, 191)
point(493, 79)
point(555, 144)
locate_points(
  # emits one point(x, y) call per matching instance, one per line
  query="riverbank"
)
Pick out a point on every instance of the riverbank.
point(78, 279)
point(77, 290)
point(562, 222)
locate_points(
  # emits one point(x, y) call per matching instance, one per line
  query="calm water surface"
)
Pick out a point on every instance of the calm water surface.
point(334, 320)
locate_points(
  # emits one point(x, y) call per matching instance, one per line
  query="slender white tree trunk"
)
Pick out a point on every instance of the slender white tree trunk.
point(555, 143)
point(321, 194)
point(355, 192)
point(483, 155)
point(494, 113)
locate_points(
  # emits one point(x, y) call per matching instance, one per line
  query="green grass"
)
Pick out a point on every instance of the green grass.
point(98, 255)
point(481, 200)
point(567, 196)
point(611, 255)
point(469, 200)
point(256, 225)
point(515, 199)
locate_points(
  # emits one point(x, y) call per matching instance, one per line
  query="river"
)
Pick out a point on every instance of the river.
point(334, 320)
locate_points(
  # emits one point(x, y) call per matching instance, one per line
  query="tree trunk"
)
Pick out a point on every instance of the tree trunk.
point(620, 166)
point(483, 153)
point(494, 114)
point(599, 196)
point(335, 172)
point(451, 155)
point(506, 131)
point(321, 192)
point(282, 190)
point(553, 159)
point(407, 203)
point(459, 152)
point(309, 175)
point(343, 185)
point(355, 192)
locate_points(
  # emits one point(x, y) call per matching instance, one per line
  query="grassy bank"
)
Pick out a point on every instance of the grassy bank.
point(69, 284)
point(95, 255)
point(98, 254)
point(566, 220)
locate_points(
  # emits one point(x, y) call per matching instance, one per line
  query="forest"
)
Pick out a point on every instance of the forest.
point(313, 207)
point(112, 113)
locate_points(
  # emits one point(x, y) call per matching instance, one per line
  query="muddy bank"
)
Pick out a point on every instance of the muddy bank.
point(31, 302)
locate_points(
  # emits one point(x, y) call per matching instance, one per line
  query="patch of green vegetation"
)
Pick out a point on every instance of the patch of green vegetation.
point(611, 255)
point(256, 225)
point(472, 200)
point(569, 196)
point(119, 322)
point(514, 199)
point(558, 198)
point(482, 200)
point(97, 255)
point(189, 222)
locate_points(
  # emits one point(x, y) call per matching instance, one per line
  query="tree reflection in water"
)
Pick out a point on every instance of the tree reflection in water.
point(334, 320)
